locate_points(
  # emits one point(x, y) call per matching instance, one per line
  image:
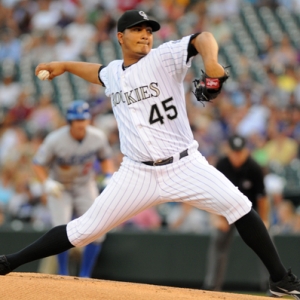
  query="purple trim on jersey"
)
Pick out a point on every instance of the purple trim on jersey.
point(101, 67)
point(191, 50)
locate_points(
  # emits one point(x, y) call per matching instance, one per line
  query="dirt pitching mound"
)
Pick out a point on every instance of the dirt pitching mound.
point(31, 286)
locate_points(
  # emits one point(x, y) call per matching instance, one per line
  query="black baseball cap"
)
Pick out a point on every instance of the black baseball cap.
point(134, 17)
point(237, 142)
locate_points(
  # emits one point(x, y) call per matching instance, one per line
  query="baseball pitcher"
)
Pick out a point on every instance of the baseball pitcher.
point(161, 158)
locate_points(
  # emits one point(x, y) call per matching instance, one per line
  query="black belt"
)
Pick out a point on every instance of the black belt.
point(166, 161)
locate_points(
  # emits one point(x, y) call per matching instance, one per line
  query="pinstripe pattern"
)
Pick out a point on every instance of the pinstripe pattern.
point(136, 187)
point(154, 85)
point(166, 67)
point(132, 189)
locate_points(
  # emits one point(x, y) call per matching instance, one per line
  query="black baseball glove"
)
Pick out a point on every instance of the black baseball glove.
point(208, 88)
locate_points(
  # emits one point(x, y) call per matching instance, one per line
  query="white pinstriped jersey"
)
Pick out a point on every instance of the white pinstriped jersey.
point(148, 102)
point(70, 161)
point(149, 105)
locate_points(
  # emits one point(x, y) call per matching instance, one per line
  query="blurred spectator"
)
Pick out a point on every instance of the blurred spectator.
point(22, 15)
point(281, 148)
point(272, 90)
point(293, 129)
point(153, 8)
point(41, 217)
point(65, 50)
point(296, 227)
point(291, 5)
point(274, 184)
point(80, 32)
point(297, 88)
point(10, 46)
point(286, 218)
point(46, 17)
point(25, 205)
point(6, 18)
point(265, 50)
point(98, 101)
point(11, 140)
point(20, 206)
point(46, 116)
point(104, 27)
point(207, 133)
point(174, 8)
point(168, 31)
point(43, 46)
point(183, 217)
point(35, 141)
point(124, 5)
point(68, 10)
point(9, 91)
point(19, 113)
point(282, 55)
point(148, 219)
point(218, 26)
point(287, 83)
point(223, 8)
point(255, 119)
point(107, 5)
point(259, 152)
point(6, 185)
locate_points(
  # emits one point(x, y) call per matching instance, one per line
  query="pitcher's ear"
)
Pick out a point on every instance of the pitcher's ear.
point(120, 37)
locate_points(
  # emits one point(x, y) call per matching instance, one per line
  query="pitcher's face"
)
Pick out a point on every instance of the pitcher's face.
point(137, 40)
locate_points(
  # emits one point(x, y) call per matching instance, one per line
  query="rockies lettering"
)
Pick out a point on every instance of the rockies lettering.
point(152, 124)
point(137, 94)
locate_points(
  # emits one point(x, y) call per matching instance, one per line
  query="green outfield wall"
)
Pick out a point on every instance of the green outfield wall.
point(166, 258)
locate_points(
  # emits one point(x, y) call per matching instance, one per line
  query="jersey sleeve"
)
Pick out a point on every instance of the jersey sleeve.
point(103, 77)
point(102, 83)
point(45, 153)
point(108, 74)
point(175, 57)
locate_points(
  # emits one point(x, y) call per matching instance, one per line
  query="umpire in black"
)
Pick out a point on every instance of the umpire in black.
point(247, 175)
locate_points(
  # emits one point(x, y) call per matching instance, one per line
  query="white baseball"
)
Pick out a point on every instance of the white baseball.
point(43, 75)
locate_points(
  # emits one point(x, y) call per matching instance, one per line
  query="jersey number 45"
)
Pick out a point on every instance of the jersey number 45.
point(156, 116)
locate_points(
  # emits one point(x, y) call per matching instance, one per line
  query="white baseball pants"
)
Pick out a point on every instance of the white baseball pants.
point(136, 186)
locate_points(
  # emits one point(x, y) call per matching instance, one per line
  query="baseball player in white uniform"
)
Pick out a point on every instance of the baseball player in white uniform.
point(161, 159)
point(65, 164)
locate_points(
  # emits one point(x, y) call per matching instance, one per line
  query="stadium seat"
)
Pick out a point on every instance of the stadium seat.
point(106, 52)
point(289, 25)
point(270, 24)
point(254, 26)
point(292, 178)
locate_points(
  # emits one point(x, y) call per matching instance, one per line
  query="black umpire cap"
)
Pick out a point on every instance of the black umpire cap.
point(237, 142)
point(134, 17)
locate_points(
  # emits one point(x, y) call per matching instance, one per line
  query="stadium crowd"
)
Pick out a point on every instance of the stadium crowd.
point(266, 113)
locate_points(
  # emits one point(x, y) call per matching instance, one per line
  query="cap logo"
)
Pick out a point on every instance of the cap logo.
point(237, 142)
point(143, 14)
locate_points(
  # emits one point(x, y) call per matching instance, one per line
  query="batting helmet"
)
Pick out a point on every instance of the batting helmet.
point(78, 110)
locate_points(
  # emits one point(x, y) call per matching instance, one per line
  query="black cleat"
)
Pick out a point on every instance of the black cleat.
point(289, 285)
point(4, 265)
